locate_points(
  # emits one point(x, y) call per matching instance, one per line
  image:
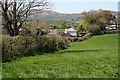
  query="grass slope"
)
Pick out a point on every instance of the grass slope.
point(93, 58)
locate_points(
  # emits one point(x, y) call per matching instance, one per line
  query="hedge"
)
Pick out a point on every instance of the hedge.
point(18, 46)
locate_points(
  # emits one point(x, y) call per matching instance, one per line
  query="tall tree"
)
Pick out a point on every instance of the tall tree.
point(100, 18)
point(96, 20)
point(15, 12)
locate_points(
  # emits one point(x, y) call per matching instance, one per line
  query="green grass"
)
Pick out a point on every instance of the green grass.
point(93, 58)
point(55, 23)
point(61, 30)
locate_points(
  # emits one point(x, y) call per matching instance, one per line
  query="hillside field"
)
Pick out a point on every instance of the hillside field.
point(93, 58)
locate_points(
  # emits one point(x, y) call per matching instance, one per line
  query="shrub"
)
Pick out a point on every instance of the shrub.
point(45, 44)
point(9, 47)
point(49, 43)
point(94, 29)
point(17, 46)
point(30, 45)
point(85, 37)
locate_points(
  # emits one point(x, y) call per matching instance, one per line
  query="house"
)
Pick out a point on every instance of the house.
point(71, 31)
point(112, 25)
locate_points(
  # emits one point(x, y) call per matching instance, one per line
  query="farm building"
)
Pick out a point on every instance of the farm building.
point(71, 32)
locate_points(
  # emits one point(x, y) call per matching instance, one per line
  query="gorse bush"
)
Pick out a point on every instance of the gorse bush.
point(18, 46)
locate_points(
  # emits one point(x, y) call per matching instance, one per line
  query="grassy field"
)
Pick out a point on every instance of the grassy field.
point(93, 58)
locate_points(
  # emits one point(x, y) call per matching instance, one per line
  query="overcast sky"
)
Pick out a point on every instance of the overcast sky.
point(77, 6)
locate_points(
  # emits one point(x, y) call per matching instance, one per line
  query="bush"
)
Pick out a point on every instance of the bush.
point(85, 37)
point(94, 29)
point(62, 43)
point(45, 44)
point(18, 46)
point(49, 43)
point(32, 38)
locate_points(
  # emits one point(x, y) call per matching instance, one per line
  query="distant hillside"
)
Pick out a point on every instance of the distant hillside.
point(52, 15)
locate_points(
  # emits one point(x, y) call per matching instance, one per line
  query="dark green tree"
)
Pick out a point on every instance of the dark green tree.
point(97, 19)
point(15, 12)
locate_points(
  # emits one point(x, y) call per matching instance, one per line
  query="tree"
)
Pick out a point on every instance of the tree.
point(63, 24)
point(96, 19)
point(89, 17)
point(15, 12)
point(80, 29)
point(106, 14)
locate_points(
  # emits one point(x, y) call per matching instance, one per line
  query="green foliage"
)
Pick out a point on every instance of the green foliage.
point(18, 46)
point(99, 18)
point(90, 17)
point(94, 58)
point(63, 24)
point(80, 29)
point(31, 40)
point(96, 20)
point(48, 43)
point(61, 30)
point(107, 15)
point(94, 29)
point(55, 23)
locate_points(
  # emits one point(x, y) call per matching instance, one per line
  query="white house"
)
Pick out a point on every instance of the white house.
point(112, 25)
point(71, 32)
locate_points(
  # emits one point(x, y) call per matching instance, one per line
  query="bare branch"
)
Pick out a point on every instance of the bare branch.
point(14, 12)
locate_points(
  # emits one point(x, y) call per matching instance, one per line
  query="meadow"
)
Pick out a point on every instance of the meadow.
point(93, 58)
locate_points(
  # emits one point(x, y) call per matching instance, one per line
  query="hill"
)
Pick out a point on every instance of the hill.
point(52, 15)
point(93, 58)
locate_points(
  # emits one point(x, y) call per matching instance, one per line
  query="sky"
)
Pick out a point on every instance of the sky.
point(78, 6)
